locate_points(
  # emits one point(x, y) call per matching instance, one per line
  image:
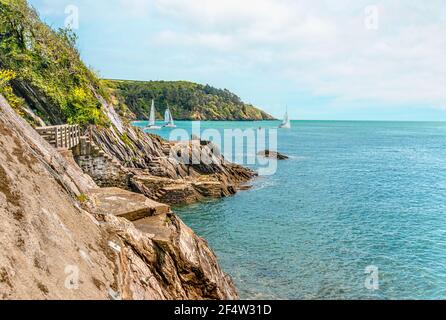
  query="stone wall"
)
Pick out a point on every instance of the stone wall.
point(105, 172)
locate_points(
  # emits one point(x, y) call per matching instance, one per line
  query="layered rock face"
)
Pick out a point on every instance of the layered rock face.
point(211, 178)
point(87, 223)
point(158, 168)
point(59, 241)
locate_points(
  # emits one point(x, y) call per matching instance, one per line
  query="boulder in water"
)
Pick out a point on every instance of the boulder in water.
point(272, 154)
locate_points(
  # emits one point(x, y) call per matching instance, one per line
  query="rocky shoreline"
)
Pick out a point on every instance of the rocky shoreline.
point(104, 211)
point(146, 165)
point(85, 206)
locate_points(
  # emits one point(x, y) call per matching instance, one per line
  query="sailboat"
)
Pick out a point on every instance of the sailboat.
point(286, 123)
point(152, 120)
point(168, 119)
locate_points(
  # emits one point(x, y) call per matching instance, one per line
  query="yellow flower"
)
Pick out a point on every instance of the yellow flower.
point(6, 76)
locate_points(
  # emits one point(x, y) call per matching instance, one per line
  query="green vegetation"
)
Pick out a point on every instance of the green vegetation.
point(82, 198)
point(127, 141)
point(41, 70)
point(187, 100)
point(6, 90)
point(44, 67)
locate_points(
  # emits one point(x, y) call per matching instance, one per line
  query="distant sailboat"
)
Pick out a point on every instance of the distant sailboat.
point(168, 119)
point(152, 120)
point(286, 123)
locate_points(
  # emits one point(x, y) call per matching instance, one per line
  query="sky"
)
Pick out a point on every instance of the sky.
point(321, 59)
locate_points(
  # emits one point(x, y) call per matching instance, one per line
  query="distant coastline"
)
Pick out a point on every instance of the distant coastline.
point(221, 120)
point(187, 101)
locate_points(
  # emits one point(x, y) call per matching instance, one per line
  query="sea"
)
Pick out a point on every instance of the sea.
point(357, 212)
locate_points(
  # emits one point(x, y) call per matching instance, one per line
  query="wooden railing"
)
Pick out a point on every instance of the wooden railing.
point(63, 136)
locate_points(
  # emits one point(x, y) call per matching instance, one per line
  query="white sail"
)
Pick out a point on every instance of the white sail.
point(171, 119)
point(286, 124)
point(166, 116)
point(152, 120)
point(168, 119)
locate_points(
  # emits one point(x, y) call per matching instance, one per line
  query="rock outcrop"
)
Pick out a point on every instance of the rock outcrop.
point(87, 223)
point(59, 240)
point(273, 155)
point(158, 169)
point(122, 203)
point(167, 261)
point(212, 177)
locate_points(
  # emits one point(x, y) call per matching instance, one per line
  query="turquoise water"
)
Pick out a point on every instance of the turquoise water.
point(353, 194)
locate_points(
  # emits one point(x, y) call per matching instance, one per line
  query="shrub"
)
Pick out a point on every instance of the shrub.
point(6, 90)
point(49, 62)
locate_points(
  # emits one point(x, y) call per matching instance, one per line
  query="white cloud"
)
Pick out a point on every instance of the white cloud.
point(319, 46)
point(216, 41)
point(324, 47)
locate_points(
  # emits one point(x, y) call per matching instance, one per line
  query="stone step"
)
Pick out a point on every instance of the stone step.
point(125, 204)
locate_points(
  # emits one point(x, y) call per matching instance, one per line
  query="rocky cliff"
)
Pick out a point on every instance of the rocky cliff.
point(46, 82)
point(56, 245)
point(95, 221)
point(150, 165)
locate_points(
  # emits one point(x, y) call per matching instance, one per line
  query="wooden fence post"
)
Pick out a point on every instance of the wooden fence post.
point(57, 137)
point(66, 136)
